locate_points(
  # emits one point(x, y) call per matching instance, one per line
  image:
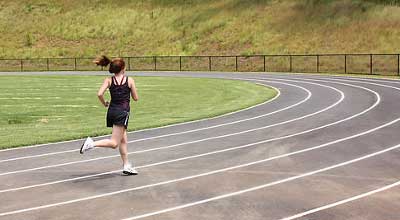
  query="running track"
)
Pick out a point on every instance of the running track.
point(325, 148)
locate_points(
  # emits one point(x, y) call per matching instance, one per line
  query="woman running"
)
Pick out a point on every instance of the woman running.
point(121, 88)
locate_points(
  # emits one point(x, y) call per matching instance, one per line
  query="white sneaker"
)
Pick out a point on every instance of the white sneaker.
point(129, 170)
point(88, 145)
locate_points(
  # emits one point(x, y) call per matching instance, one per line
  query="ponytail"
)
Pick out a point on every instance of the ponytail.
point(102, 61)
point(116, 65)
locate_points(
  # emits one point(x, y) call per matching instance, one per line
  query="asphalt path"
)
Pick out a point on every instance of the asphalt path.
point(325, 148)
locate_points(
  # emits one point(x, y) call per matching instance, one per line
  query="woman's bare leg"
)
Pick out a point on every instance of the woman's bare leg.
point(123, 149)
point(116, 137)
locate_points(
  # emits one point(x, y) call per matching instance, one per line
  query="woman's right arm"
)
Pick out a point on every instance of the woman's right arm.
point(133, 89)
point(102, 90)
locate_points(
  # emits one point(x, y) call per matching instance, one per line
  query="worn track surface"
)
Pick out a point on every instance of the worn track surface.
point(326, 148)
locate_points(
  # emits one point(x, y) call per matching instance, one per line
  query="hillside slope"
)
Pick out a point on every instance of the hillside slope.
point(70, 28)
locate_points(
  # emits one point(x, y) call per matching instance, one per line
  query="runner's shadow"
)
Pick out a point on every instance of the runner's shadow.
point(100, 177)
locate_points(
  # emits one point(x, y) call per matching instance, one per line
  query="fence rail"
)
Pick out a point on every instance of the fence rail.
point(378, 64)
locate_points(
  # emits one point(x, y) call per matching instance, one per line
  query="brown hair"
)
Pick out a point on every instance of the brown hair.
point(116, 65)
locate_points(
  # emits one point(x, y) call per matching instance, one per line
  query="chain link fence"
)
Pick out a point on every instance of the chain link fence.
point(378, 64)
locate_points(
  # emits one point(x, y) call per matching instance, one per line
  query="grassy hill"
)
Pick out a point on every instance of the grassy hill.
point(70, 28)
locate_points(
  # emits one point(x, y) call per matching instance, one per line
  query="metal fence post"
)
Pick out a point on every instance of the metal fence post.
point(209, 63)
point(155, 63)
point(345, 63)
point(75, 64)
point(264, 64)
point(22, 66)
point(370, 64)
point(290, 61)
point(317, 63)
point(398, 64)
point(180, 63)
point(129, 64)
point(236, 63)
point(47, 63)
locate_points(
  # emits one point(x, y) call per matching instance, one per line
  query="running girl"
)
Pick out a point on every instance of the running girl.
point(121, 88)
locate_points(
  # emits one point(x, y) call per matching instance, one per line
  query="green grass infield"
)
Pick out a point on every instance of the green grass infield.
point(43, 109)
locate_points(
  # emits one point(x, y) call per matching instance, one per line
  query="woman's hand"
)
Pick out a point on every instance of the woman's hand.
point(106, 104)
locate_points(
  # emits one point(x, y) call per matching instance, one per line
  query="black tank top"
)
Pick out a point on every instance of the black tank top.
point(120, 94)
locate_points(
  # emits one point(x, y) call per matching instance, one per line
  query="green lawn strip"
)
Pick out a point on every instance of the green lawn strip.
point(42, 109)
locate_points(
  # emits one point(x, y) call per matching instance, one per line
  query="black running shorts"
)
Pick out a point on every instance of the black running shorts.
point(117, 116)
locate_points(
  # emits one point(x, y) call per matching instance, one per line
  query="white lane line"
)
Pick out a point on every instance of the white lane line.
point(351, 79)
point(356, 81)
point(262, 186)
point(342, 96)
point(365, 82)
point(184, 132)
point(395, 81)
point(201, 175)
point(238, 147)
point(343, 201)
point(161, 127)
point(37, 155)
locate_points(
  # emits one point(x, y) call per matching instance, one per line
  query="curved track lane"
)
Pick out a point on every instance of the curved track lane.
point(325, 148)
